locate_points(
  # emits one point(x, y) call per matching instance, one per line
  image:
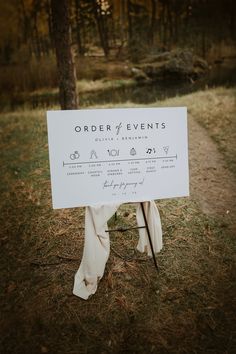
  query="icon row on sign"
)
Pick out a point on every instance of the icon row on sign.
point(116, 152)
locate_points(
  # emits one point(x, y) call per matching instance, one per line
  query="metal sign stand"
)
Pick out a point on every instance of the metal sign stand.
point(121, 229)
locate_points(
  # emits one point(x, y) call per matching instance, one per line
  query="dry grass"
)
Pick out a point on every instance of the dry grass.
point(34, 83)
point(85, 86)
point(189, 307)
point(215, 109)
point(34, 75)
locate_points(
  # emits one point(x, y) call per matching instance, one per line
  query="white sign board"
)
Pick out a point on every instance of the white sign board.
point(106, 156)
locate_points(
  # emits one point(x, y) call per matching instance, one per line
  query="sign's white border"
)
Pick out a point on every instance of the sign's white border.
point(107, 156)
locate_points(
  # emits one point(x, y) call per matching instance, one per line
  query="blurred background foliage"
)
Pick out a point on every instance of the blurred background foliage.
point(104, 32)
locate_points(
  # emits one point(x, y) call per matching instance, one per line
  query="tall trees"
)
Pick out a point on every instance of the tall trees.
point(65, 63)
point(101, 13)
point(133, 25)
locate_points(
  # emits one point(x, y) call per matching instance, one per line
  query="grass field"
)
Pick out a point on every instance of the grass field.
point(189, 307)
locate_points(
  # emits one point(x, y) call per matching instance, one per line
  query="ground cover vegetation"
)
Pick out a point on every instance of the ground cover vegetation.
point(189, 307)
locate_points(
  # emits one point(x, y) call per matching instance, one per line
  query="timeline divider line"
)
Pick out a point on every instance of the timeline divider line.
point(125, 160)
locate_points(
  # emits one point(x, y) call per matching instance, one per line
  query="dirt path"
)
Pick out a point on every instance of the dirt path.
point(211, 183)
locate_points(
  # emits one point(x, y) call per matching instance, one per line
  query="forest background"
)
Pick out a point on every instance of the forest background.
point(127, 53)
point(107, 39)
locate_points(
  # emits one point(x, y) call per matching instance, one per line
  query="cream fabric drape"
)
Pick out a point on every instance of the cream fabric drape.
point(97, 243)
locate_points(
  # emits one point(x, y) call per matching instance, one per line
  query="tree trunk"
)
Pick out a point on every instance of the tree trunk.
point(130, 27)
point(49, 22)
point(78, 25)
point(153, 21)
point(176, 27)
point(232, 19)
point(65, 63)
point(170, 23)
point(165, 26)
point(102, 30)
point(37, 49)
point(25, 21)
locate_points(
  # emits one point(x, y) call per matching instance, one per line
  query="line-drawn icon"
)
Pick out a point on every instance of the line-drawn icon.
point(149, 151)
point(133, 152)
point(166, 149)
point(113, 152)
point(75, 155)
point(93, 155)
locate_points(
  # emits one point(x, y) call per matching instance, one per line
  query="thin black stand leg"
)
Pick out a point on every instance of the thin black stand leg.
point(149, 236)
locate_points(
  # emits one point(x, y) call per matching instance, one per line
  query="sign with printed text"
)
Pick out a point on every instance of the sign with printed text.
point(107, 156)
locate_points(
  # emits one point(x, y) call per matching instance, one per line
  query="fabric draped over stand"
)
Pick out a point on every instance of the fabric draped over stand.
point(97, 243)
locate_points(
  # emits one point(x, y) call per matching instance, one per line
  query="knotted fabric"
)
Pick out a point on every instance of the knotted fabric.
point(97, 243)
